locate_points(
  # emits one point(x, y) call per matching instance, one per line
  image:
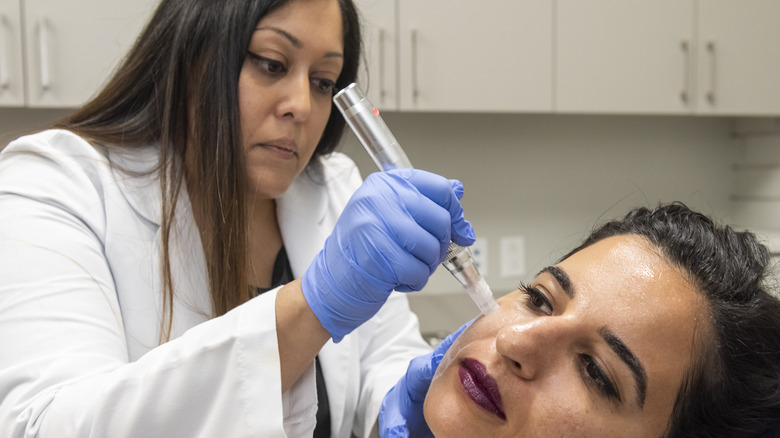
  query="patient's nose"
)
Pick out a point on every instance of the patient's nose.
point(533, 347)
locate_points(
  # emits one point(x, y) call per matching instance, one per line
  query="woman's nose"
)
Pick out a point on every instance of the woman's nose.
point(295, 101)
point(534, 347)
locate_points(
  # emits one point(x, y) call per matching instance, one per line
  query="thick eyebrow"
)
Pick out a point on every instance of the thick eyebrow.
point(625, 354)
point(562, 278)
point(295, 41)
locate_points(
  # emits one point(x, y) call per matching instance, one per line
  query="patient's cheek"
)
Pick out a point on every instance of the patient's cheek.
point(439, 412)
point(477, 339)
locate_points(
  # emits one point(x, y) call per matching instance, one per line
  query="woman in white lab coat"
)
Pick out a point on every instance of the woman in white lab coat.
point(134, 238)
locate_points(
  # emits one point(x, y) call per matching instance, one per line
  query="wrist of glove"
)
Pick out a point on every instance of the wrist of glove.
point(401, 414)
point(392, 235)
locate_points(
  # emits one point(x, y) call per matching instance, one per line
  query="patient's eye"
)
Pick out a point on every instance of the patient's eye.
point(595, 375)
point(536, 299)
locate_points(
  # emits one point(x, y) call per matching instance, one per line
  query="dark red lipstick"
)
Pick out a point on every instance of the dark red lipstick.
point(481, 387)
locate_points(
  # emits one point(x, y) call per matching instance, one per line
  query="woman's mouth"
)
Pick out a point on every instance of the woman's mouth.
point(481, 387)
point(285, 149)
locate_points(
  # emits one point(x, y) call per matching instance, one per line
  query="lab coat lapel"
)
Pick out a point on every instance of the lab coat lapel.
point(135, 172)
point(341, 371)
point(306, 221)
point(137, 177)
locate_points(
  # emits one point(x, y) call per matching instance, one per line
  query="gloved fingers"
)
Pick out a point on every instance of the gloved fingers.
point(435, 187)
point(407, 270)
point(445, 345)
point(457, 188)
point(462, 232)
point(427, 232)
point(446, 193)
point(415, 222)
point(418, 377)
point(422, 368)
point(399, 431)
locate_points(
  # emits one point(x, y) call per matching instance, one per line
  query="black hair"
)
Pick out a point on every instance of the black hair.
point(733, 387)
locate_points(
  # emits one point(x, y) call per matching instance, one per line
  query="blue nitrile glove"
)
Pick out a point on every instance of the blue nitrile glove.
point(401, 414)
point(392, 234)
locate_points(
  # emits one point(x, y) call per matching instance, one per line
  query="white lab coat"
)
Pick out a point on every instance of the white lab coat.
point(80, 310)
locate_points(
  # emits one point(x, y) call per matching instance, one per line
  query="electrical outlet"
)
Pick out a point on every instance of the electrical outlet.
point(512, 256)
point(480, 252)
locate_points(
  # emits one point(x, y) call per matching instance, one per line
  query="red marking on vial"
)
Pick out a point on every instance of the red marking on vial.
point(375, 111)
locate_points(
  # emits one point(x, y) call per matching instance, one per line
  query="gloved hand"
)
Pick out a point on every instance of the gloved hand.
point(401, 414)
point(392, 234)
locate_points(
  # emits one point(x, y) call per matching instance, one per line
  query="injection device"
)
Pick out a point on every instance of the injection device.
point(364, 119)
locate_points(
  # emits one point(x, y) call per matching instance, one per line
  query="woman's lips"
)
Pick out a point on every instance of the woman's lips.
point(282, 148)
point(480, 387)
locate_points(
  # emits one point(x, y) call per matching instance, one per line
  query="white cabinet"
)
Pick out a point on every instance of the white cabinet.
point(624, 56)
point(11, 67)
point(668, 57)
point(73, 46)
point(739, 57)
point(57, 54)
point(378, 71)
point(445, 55)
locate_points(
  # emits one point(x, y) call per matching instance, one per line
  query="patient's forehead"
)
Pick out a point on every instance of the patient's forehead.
point(626, 284)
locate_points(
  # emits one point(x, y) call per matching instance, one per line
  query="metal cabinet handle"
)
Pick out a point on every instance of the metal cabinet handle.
point(43, 46)
point(4, 76)
point(382, 89)
point(713, 70)
point(415, 84)
point(685, 93)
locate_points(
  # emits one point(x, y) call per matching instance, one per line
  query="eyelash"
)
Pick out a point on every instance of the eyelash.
point(536, 299)
point(592, 372)
point(272, 67)
point(589, 368)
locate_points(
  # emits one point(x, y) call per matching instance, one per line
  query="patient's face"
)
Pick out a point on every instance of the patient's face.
point(596, 346)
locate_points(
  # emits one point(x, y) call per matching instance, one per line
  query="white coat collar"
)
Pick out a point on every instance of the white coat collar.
point(301, 212)
point(137, 174)
point(135, 170)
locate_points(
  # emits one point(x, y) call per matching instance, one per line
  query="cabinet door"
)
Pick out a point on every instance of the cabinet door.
point(492, 55)
point(739, 57)
point(625, 56)
point(378, 75)
point(73, 46)
point(11, 69)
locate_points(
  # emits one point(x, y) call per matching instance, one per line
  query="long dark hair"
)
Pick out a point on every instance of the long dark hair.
point(178, 88)
point(733, 388)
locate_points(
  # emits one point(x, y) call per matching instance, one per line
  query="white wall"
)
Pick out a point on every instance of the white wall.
point(756, 193)
point(15, 122)
point(549, 178)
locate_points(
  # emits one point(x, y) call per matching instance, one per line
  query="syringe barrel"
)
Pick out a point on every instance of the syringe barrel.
point(370, 129)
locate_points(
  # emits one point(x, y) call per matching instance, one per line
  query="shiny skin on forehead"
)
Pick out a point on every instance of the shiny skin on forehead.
point(631, 288)
point(628, 273)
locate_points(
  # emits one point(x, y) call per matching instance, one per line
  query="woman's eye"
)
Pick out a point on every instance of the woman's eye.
point(267, 65)
point(594, 375)
point(537, 300)
point(324, 86)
